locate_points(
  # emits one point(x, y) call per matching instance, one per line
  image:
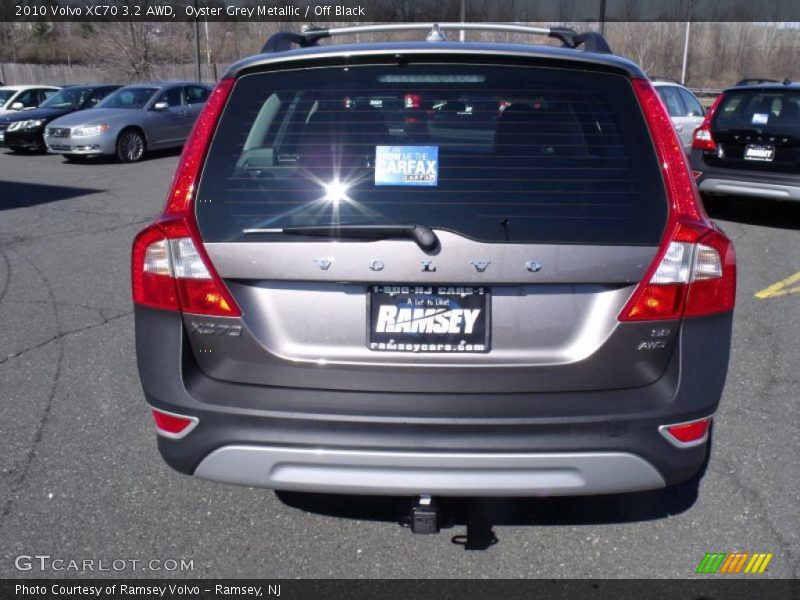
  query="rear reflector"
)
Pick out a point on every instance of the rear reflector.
point(694, 272)
point(689, 434)
point(172, 425)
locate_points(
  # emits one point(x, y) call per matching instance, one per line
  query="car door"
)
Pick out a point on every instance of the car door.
point(167, 126)
point(677, 112)
point(195, 97)
point(28, 98)
point(695, 113)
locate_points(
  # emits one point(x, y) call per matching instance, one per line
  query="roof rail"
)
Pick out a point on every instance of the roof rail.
point(590, 40)
point(755, 81)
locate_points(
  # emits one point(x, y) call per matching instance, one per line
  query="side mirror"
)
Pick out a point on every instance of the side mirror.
point(161, 106)
point(17, 106)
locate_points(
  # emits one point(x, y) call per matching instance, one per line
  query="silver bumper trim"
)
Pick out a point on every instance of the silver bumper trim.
point(750, 188)
point(414, 473)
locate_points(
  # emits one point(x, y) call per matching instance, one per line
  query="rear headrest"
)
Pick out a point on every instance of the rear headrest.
point(515, 119)
point(790, 110)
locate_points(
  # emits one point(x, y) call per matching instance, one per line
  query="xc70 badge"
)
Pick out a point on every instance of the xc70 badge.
point(216, 329)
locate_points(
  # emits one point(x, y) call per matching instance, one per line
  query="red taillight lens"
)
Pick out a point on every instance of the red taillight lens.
point(655, 302)
point(151, 271)
point(695, 261)
point(171, 269)
point(687, 434)
point(172, 425)
point(694, 276)
point(713, 287)
point(702, 138)
point(171, 272)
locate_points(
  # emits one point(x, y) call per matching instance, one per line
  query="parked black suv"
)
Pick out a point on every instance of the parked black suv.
point(25, 131)
point(348, 292)
point(749, 143)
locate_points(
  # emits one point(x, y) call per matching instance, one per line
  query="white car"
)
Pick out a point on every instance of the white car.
point(683, 107)
point(14, 98)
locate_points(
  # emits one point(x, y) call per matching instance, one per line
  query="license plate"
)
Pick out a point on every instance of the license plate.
point(759, 152)
point(428, 319)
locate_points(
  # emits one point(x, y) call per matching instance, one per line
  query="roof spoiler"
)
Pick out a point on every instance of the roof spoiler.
point(591, 41)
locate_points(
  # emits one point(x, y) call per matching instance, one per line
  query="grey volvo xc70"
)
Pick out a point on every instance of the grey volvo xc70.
point(434, 268)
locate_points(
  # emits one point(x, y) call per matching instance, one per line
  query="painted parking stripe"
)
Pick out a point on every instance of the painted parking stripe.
point(781, 288)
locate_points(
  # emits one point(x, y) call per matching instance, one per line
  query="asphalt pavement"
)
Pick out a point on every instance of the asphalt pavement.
point(81, 479)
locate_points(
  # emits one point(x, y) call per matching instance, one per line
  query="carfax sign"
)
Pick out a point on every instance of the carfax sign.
point(407, 165)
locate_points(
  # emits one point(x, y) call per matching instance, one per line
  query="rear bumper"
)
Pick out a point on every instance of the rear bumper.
point(772, 191)
point(411, 473)
point(744, 182)
point(394, 443)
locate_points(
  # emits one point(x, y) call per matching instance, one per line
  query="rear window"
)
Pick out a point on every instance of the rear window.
point(767, 111)
point(494, 153)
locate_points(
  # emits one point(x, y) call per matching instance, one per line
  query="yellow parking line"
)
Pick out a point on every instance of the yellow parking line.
point(781, 288)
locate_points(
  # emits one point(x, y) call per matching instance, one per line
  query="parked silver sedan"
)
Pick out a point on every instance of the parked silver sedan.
point(683, 107)
point(130, 121)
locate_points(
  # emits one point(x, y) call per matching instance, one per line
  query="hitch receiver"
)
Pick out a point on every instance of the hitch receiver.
point(425, 515)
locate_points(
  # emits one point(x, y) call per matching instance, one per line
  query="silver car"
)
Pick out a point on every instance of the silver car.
point(684, 109)
point(129, 122)
point(349, 293)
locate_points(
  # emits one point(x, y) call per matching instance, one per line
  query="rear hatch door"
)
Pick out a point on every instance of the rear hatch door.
point(757, 130)
point(540, 184)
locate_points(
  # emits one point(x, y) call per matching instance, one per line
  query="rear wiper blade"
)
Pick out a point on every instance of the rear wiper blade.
point(423, 235)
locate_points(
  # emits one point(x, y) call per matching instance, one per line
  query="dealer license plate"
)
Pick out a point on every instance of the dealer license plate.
point(759, 152)
point(429, 318)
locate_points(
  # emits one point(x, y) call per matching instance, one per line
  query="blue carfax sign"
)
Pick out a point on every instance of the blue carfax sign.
point(407, 165)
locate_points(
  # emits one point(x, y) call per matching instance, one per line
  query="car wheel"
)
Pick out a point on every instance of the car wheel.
point(130, 146)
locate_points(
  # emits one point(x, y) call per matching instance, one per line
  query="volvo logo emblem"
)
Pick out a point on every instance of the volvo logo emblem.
point(427, 265)
point(323, 263)
point(480, 265)
point(376, 265)
point(533, 266)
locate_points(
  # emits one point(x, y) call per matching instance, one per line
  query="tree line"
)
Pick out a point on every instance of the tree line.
point(719, 53)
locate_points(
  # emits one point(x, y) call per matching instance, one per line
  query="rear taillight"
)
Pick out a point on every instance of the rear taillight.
point(702, 138)
point(170, 268)
point(694, 273)
point(690, 279)
point(688, 434)
point(172, 425)
point(170, 273)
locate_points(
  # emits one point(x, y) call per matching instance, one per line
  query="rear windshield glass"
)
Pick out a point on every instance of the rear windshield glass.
point(767, 111)
point(494, 153)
